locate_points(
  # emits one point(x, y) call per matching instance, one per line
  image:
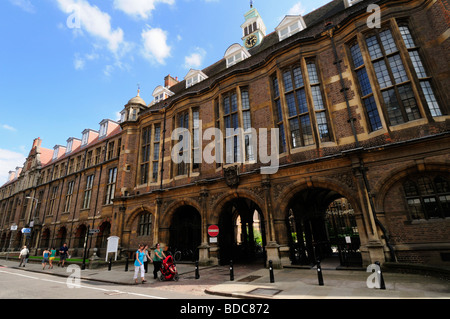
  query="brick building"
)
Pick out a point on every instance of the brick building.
point(358, 93)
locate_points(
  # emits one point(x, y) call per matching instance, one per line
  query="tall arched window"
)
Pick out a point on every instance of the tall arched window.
point(427, 197)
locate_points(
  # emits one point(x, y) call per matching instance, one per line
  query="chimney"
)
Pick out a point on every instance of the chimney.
point(170, 81)
point(11, 176)
point(37, 142)
point(18, 171)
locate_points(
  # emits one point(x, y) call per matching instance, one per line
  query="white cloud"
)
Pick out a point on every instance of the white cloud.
point(155, 47)
point(25, 5)
point(297, 9)
point(79, 63)
point(9, 160)
point(8, 128)
point(139, 8)
point(91, 19)
point(195, 60)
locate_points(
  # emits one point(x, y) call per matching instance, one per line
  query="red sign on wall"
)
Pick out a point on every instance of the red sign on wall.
point(213, 230)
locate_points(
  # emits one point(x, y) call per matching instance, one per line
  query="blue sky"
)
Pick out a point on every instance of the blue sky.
point(65, 65)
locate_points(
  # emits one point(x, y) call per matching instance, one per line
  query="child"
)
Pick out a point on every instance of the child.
point(52, 257)
point(45, 258)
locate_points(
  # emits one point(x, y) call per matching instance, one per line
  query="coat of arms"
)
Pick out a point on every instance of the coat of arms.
point(231, 176)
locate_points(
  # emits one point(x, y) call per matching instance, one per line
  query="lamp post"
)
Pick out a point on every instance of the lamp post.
point(32, 218)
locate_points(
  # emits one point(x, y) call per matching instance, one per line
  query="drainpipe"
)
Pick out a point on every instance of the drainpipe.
point(329, 28)
point(163, 148)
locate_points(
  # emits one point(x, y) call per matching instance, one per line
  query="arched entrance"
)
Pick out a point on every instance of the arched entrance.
point(80, 238)
point(185, 232)
point(45, 239)
point(242, 235)
point(322, 226)
point(102, 237)
point(61, 237)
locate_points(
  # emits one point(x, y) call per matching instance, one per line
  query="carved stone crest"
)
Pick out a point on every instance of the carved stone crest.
point(231, 176)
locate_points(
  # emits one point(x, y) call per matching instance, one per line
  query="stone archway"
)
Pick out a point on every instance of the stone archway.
point(321, 226)
point(242, 236)
point(185, 232)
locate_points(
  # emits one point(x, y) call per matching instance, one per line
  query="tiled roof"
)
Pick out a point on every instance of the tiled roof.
point(95, 141)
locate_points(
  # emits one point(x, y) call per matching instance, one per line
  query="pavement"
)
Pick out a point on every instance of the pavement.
point(253, 281)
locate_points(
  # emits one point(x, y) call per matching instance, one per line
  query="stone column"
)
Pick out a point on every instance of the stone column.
point(203, 249)
point(272, 247)
point(374, 245)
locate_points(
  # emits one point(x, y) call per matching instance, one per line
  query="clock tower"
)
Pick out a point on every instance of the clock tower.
point(253, 29)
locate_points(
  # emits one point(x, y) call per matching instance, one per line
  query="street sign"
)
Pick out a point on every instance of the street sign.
point(14, 227)
point(26, 230)
point(93, 231)
point(213, 230)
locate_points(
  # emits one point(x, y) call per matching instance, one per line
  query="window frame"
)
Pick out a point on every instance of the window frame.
point(365, 96)
point(294, 90)
point(421, 199)
point(423, 75)
point(145, 224)
point(398, 111)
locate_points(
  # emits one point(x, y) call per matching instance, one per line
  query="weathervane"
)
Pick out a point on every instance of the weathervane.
point(139, 88)
point(251, 3)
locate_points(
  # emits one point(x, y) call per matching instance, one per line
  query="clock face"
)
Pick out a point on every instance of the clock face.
point(251, 41)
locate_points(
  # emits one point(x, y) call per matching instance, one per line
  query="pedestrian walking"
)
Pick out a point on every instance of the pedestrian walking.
point(23, 256)
point(157, 260)
point(45, 258)
point(63, 253)
point(139, 264)
point(52, 257)
point(147, 258)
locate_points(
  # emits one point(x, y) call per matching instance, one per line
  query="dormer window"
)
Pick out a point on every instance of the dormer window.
point(69, 146)
point(194, 77)
point(160, 97)
point(103, 129)
point(85, 138)
point(55, 153)
point(290, 26)
point(72, 144)
point(160, 94)
point(349, 3)
point(88, 136)
point(235, 54)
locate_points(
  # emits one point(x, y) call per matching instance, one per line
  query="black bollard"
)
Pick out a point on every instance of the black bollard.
point(319, 273)
point(197, 274)
point(126, 264)
point(231, 271)
point(272, 279)
point(109, 264)
point(382, 285)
